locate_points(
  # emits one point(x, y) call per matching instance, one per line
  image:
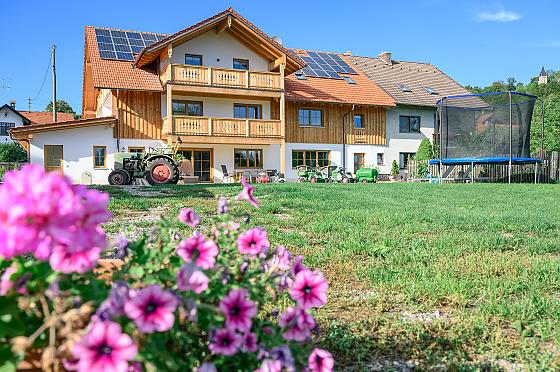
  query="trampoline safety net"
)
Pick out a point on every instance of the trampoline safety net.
point(491, 125)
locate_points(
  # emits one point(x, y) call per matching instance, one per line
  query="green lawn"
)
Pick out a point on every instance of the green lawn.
point(442, 276)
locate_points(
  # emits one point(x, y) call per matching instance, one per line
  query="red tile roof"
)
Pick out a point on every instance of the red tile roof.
point(46, 117)
point(117, 74)
point(316, 89)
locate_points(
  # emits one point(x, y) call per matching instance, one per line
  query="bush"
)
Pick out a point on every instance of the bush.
point(395, 170)
point(425, 150)
point(181, 301)
point(12, 153)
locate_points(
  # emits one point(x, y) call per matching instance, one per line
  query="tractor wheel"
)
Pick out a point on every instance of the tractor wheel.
point(301, 179)
point(119, 177)
point(345, 179)
point(161, 171)
point(313, 179)
point(364, 181)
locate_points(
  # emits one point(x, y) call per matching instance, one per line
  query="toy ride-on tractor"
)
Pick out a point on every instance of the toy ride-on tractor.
point(157, 166)
point(365, 175)
point(334, 173)
point(306, 173)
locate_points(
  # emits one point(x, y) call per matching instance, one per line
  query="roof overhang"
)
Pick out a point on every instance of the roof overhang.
point(232, 22)
point(21, 133)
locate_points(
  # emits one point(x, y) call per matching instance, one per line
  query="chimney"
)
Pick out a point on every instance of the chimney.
point(13, 103)
point(348, 53)
point(386, 57)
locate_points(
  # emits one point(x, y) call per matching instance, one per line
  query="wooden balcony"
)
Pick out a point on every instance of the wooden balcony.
point(202, 76)
point(204, 129)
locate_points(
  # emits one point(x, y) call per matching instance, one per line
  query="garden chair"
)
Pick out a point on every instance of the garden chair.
point(227, 175)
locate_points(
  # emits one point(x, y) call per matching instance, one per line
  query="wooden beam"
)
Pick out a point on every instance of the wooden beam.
point(225, 24)
point(256, 45)
point(276, 63)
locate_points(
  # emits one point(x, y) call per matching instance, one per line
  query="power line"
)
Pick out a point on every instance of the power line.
point(44, 79)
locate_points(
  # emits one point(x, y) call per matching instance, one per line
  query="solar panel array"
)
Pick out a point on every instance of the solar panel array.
point(326, 65)
point(123, 45)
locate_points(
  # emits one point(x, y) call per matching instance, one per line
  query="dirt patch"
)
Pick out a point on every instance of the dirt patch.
point(144, 191)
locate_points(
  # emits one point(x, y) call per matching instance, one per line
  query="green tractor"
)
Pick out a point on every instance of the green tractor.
point(306, 173)
point(157, 166)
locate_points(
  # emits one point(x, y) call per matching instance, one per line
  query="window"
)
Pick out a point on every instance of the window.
point(244, 111)
point(240, 64)
point(431, 90)
point(99, 156)
point(358, 121)
point(300, 75)
point(136, 150)
point(190, 108)
point(404, 88)
point(193, 59)
point(409, 124)
point(311, 158)
point(380, 159)
point(244, 158)
point(310, 118)
point(4, 127)
point(359, 161)
point(404, 157)
point(348, 79)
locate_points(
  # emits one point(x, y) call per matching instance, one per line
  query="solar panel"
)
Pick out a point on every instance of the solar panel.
point(327, 65)
point(122, 45)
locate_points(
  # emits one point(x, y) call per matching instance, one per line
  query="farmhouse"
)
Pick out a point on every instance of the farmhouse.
point(234, 100)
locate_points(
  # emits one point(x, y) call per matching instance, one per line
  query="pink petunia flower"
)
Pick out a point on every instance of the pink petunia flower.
point(67, 259)
point(270, 365)
point(189, 217)
point(207, 367)
point(296, 324)
point(253, 241)
point(320, 361)
point(104, 348)
point(190, 278)
point(199, 250)
point(250, 342)
point(225, 342)
point(6, 283)
point(282, 258)
point(222, 205)
point(309, 289)
point(152, 309)
point(238, 309)
point(298, 266)
point(247, 193)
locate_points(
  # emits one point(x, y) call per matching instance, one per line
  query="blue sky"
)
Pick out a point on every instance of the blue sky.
point(475, 42)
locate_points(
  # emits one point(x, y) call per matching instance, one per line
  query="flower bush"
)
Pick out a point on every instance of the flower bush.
point(187, 297)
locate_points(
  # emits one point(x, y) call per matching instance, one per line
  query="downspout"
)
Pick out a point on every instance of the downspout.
point(118, 123)
point(344, 138)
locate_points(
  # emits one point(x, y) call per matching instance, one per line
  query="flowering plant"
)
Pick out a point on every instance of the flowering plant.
point(188, 296)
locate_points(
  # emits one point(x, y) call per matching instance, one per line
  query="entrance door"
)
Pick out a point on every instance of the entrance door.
point(201, 161)
point(53, 158)
point(359, 160)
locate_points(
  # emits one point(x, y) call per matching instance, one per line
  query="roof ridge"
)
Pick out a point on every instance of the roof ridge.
point(124, 30)
point(396, 60)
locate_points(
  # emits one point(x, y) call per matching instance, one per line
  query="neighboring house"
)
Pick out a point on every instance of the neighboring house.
point(229, 97)
point(46, 117)
point(10, 118)
point(415, 87)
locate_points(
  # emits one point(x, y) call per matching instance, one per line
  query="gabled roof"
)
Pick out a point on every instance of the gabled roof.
point(414, 75)
point(8, 107)
point(115, 74)
point(81, 123)
point(328, 90)
point(238, 28)
point(46, 117)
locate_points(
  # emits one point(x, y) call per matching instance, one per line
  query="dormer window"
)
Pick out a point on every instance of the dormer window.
point(431, 90)
point(404, 88)
point(240, 64)
point(300, 75)
point(349, 80)
point(193, 59)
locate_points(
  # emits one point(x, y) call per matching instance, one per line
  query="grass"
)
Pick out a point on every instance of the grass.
point(460, 277)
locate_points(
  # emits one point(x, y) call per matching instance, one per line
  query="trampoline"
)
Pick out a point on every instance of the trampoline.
point(488, 128)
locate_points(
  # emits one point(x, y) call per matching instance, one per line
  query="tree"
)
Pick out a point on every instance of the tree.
point(425, 150)
point(395, 168)
point(12, 153)
point(61, 106)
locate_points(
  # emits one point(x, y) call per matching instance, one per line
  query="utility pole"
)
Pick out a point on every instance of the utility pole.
point(54, 82)
point(29, 104)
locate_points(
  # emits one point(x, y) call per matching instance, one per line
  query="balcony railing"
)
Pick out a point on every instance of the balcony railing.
point(205, 126)
point(225, 77)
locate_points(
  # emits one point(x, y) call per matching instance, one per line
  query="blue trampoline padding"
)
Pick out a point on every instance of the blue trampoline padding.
point(457, 161)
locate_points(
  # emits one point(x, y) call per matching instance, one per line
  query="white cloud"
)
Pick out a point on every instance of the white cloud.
point(498, 16)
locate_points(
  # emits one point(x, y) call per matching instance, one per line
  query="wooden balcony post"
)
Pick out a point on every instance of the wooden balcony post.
point(247, 128)
point(169, 99)
point(209, 76)
point(282, 121)
point(209, 126)
point(247, 79)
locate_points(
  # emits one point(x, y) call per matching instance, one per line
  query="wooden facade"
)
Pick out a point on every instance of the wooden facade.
point(373, 133)
point(138, 114)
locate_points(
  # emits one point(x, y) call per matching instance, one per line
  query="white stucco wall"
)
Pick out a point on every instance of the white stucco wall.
point(8, 116)
point(105, 104)
point(407, 142)
point(218, 50)
point(218, 107)
point(336, 157)
point(77, 151)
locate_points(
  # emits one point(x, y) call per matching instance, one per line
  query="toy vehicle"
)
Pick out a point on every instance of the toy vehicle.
point(334, 173)
point(365, 175)
point(157, 166)
point(306, 173)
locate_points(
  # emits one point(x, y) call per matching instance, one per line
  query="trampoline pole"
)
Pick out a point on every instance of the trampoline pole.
point(510, 139)
point(542, 128)
point(536, 170)
point(472, 172)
